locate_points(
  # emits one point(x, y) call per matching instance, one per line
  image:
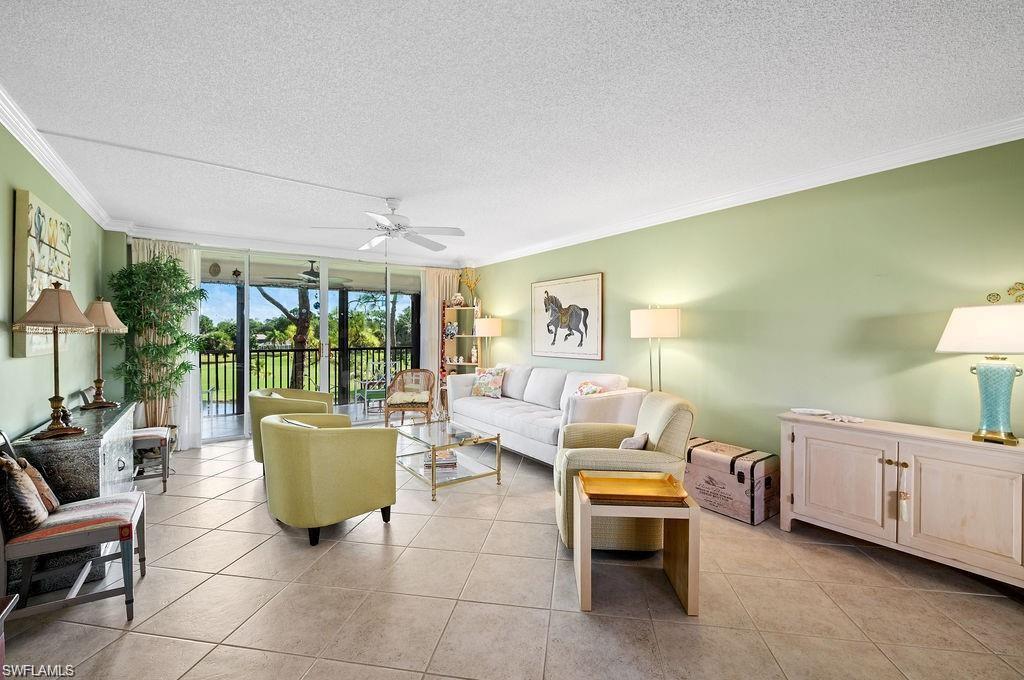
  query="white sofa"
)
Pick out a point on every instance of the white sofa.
point(536, 403)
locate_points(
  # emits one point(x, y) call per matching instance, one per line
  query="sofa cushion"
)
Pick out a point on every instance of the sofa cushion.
point(514, 384)
point(530, 420)
point(609, 381)
point(545, 387)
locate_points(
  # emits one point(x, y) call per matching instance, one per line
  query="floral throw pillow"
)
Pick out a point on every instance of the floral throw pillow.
point(488, 382)
point(587, 388)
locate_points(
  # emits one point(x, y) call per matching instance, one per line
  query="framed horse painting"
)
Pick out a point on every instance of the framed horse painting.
point(568, 317)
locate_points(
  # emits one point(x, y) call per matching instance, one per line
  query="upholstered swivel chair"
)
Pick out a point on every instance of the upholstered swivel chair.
point(321, 475)
point(263, 404)
point(667, 420)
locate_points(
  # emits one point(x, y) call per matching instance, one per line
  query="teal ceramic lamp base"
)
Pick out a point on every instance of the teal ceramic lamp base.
point(995, 384)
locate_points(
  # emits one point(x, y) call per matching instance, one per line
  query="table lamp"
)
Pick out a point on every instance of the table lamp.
point(994, 331)
point(487, 327)
point(650, 323)
point(55, 312)
point(104, 320)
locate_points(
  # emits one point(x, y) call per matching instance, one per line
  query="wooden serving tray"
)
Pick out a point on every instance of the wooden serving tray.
point(632, 487)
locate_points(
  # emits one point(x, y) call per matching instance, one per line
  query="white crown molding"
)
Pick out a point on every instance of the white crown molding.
point(999, 132)
point(264, 245)
point(19, 125)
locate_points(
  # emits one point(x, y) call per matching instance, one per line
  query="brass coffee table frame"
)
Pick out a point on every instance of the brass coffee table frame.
point(434, 448)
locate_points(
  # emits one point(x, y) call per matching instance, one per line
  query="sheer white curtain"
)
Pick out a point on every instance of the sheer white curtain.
point(438, 286)
point(186, 408)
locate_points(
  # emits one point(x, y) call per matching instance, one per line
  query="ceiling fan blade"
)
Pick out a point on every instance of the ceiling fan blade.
point(439, 231)
point(425, 242)
point(374, 242)
point(382, 219)
point(322, 226)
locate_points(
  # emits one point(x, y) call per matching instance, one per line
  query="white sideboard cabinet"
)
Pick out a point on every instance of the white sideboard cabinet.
point(926, 491)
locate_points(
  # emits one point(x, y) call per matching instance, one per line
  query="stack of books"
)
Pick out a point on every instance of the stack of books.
point(445, 459)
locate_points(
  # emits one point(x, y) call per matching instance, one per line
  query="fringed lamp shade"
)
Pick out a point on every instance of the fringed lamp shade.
point(54, 310)
point(101, 314)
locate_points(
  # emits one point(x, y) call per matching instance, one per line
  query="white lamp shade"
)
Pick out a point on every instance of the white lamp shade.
point(102, 315)
point(987, 329)
point(488, 327)
point(654, 323)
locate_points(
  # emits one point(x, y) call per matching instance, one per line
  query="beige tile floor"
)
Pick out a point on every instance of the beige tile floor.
point(477, 585)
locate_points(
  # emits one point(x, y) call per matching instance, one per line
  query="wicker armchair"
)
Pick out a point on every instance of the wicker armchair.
point(412, 381)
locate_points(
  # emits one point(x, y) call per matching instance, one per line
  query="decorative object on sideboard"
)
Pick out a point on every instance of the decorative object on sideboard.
point(469, 278)
point(650, 323)
point(993, 331)
point(487, 328)
point(835, 417)
point(1016, 291)
point(573, 305)
point(155, 298)
point(457, 301)
point(42, 255)
point(104, 320)
point(55, 312)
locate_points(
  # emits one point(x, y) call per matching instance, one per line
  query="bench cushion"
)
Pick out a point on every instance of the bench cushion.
point(148, 434)
point(93, 513)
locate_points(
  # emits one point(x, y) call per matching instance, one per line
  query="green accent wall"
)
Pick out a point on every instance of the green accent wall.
point(834, 297)
point(27, 383)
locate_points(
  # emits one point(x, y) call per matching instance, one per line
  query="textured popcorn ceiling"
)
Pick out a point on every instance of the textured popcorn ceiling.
point(522, 122)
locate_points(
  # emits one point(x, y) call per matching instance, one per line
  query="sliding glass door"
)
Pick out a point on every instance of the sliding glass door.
point(377, 324)
point(222, 357)
point(284, 323)
point(274, 321)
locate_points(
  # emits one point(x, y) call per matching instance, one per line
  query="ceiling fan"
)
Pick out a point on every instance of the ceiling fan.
point(311, 275)
point(394, 225)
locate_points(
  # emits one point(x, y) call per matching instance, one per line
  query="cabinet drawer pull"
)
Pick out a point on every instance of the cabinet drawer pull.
point(890, 461)
point(904, 465)
point(120, 464)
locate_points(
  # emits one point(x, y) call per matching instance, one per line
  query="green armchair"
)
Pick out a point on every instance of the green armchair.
point(321, 475)
point(667, 420)
point(262, 404)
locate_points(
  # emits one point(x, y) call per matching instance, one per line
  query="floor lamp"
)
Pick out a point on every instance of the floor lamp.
point(56, 312)
point(488, 327)
point(101, 314)
point(651, 323)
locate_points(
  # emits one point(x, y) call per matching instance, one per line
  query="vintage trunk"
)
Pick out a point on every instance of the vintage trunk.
point(733, 480)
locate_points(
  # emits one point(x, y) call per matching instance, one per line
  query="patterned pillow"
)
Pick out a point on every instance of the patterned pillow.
point(488, 382)
point(586, 388)
point(46, 494)
point(21, 508)
point(637, 442)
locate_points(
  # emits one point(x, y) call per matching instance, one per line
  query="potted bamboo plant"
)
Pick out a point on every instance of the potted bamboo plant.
point(154, 299)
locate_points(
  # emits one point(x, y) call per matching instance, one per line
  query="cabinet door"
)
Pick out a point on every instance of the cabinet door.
point(840, 476)
point(964, 504)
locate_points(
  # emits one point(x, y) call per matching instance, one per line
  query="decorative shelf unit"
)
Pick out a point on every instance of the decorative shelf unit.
point(460, 345)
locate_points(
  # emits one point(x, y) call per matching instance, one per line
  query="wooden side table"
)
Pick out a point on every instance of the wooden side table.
point(681, 558)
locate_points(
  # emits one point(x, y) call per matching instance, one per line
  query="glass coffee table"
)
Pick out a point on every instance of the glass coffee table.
point(431, 452)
